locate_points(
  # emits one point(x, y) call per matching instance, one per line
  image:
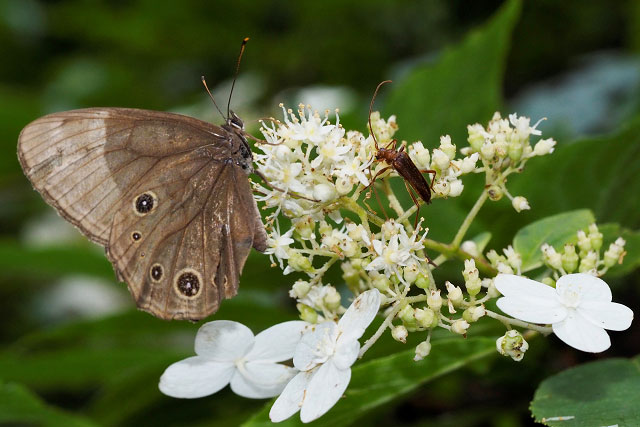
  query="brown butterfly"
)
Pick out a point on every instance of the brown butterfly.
point(167, 196)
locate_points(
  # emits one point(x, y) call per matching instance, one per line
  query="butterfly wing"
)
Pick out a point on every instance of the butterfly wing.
point(94, 165)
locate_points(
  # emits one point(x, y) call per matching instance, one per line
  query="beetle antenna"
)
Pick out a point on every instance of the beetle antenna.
point(371, 109)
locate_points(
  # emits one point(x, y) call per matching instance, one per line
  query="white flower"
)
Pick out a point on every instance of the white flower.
point(279, 244)
point(579, 309)
point(227, 352)
point(544, 146)
point(390, 256)
point(324, 358)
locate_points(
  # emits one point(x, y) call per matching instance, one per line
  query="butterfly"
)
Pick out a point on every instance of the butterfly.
point(167, 195)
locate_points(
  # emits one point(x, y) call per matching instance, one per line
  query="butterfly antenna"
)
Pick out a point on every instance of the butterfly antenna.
point(371, 109)
point(244, 43)
point(204, 82)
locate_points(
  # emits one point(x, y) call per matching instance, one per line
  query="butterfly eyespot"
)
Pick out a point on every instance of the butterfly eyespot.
point(136, 236)
point(156, 272)
point(187, 283)
point(145, 203)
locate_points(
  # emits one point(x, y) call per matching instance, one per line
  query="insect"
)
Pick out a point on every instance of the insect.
point(167, 195)
point(399, 160)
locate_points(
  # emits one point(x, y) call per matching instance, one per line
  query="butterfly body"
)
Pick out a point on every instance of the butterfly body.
point(166, 195)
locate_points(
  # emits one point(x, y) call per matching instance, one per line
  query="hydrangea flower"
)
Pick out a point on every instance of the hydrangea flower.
point(324, 358)
point(229, 353)
point(579, 309)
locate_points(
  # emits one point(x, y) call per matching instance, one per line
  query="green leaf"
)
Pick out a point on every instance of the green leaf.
point(631, 260)
point(381, 380)
point(18, 406)
point(555, 230)
point(462, 87)
point(601, 393)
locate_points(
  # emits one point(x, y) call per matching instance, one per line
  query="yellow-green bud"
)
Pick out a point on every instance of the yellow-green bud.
point(406, 315)
point(487, 151)
point(476, 136)
point(459, 326)
point(515, 150)
point(512, 344)
point(588, 262)
point(411, 273)
point(434, 300)
point(422, 282)
point(492, 291)
point(300, 288)
point(299, 262)
point(307, 313)
point(422, 350)
point(549, 282)
point(304, 227)
point(344, 186)
point(472, 314)
point(381, 283)
point(569, 258)
point(595, 236)
point(399, 333)
point(495, 192)
point(324, 228)
point(331, 299)
point(615, 253)
point(426, 318)
point(584, 243)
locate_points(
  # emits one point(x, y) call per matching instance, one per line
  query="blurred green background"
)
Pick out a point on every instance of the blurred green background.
point(73, 349)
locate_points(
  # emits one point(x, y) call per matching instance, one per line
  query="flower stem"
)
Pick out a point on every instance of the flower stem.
point(545, 330)
point(469, 219)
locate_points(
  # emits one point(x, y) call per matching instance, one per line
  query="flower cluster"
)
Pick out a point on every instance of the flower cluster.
point(319, 176)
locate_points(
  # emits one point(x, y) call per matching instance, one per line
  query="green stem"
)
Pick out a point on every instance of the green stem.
point(469, 219)
point(545, 330)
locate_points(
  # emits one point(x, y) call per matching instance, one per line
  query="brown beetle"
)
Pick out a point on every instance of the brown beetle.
point(399, 160)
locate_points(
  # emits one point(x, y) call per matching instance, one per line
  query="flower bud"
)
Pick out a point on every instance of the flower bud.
point(495, 192)
point(456, 188)
point(454, 294)
point(426, 318)
point(300, 289)
point(459, 326)
point(615, 253)
point(406, 314)
point(520, 204)
point(492, 291)
point(584, 243)
point(472, 314)
point(381, 283)
point(588, 262)
point(422, 350)
point(324, 192)
point(331, 298)
point(470, 247)
point(569, 258)
point(350, 275)
point(420, 155)
point(324, 228)
point(304, 227)
point(447, 147)
point(469, 163)
point(344, 186)
point(550, 257)
point(487, 151)
point(434, 300)
point(595, 236)
point(422, 281)
point(513, 258)
point(544, 146)
point(514, 150)
point(442, 188)
point(440, 160)
point(411, 272)
point(512, 344)
point(299, 262)
point(307, 313)
point(399, 333)
point(476, 136)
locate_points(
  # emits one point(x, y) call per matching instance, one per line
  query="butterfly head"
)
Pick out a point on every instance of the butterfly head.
point(234, 121)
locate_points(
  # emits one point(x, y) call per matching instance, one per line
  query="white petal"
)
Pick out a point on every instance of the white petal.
point(314, 346)
point(223, 340)
point(590, 288)
point(581, 334)
point(359, 315)
point(534, 310)
point(324, 391)
point(278, 342)
point(511, 285)
point(261, 380)
point(291, 398)
point(608, 315)
point(195, 377)
point(346, 353)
